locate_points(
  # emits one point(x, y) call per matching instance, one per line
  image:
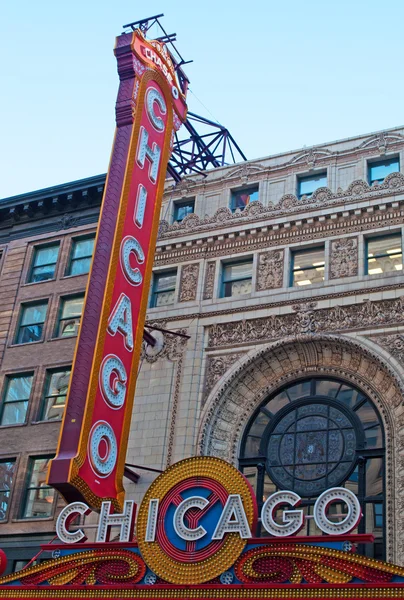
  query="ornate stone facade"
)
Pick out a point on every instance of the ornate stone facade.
point(270, 270)
point(216, 367)
point(344, 258)
point(189, 282)
point(209, 281)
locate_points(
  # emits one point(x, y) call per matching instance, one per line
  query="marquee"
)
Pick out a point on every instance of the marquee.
point(195, 538)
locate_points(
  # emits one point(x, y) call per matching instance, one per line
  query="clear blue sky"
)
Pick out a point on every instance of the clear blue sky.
point(279, 75)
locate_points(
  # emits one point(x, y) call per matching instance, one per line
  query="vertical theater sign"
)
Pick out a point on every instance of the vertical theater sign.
point(197, 524)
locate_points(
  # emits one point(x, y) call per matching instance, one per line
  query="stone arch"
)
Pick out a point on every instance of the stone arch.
point(356, 360)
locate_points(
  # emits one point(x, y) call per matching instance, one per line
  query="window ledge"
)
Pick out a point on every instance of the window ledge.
point(62, 337)
point(78, 275)
point(13, 425)
point(25, 344)
point(46, 421)
point(32, 519)
point(29, 283)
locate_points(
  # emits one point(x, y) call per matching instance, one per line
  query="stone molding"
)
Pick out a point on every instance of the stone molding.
point(307, 320)
point(357, 191)
point(320, 228)
point(270, 270)
point(344, 257)
point(209, 280)
point(189, 282)
point(261, 373)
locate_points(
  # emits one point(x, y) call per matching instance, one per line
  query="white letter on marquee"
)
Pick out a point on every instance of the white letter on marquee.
point(113, 395)
point(152, 96)
point(153, 154)
point(184, 532)
point(293, 519)
point(336, 495)
point(140, 205)
point(152, 520)
point(232, 519)
point(130, 244)
point(120, 320)
point(66, 516)
point(124, 520)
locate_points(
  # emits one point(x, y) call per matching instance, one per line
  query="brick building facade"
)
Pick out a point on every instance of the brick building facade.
point(286, 273)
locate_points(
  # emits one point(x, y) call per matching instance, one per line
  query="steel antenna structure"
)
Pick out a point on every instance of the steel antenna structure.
point(200, 144)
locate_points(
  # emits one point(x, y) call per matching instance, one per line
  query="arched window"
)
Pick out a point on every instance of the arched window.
point(315, 434)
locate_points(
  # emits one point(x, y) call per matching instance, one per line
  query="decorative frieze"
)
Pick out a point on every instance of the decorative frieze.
point(216, 367)
point(168, 345)
point(344, 257)
point(270, 270)
point(189, 282)
point(393, 343)
point(305, 320)
point(209, 281)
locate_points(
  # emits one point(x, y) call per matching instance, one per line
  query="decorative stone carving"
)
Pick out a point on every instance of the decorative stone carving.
point(189, 282)
point(381, 141)
point(309, 157)
point(344, 257)
point(245, 171)
point(270, 270)
point(308, 320)
point(209, 280)
point(216, 367)
point(66, 222)
point(167, 345)
point(263, 372)
point(393, 343)
point(288, 203)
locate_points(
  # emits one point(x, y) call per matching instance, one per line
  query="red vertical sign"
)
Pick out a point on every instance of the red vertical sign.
point(91, 454)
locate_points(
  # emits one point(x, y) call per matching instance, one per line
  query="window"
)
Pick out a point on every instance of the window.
point(43, 263)
point(241, 198)
point(70, 314)
point(164, 288)
point(39, 496)
point(7, 468)
point(309, 184)
point(15, 400)
point(378, 171)
point(384, 255)
point(315, 434)
point(182, 209)
point(236, 278)
point(80, 258)
point(56, 385)
point(32, 320)
point(308, 267)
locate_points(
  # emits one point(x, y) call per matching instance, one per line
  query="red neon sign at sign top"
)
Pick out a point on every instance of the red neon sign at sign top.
point(92, 447)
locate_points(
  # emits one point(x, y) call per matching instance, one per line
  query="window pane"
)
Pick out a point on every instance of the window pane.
point(308, 185)
point(384, 255)
point(237, 288)
point(374, 477)
point(242, 198)
point(308, 267)
point(55, 395)
point(34, 314)
point(18, 388)
point(44, 263)
point(72, 309)
point(39, 501)
point(379, 170)
point(14, 413)
point(6, 482)
point(237, 271)
point(182, 209)
point(83, 248)
point(165, 282)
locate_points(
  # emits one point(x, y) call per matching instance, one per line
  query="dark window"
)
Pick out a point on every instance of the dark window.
point(183, 208)
point(7, 468)
point(70, 314)
point(39, 496)
point(378, 170)
point(44, 263)
point(241, 198)
point(56, 386)
point(15, 400)
point(384, 255)
point(237, 278)
point(81, 254)
point(315, 434)
point(306, 186)
point(32, 320)
point(307, 267)
point(164, 288)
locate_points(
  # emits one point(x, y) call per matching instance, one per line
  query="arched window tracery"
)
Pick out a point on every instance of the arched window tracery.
point(314, 434)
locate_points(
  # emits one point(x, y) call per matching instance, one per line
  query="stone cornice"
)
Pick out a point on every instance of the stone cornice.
point(289, 205)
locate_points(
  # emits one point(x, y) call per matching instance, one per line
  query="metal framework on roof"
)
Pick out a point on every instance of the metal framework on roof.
point(200, 144)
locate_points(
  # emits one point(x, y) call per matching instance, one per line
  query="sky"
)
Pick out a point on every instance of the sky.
point(279, 75)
